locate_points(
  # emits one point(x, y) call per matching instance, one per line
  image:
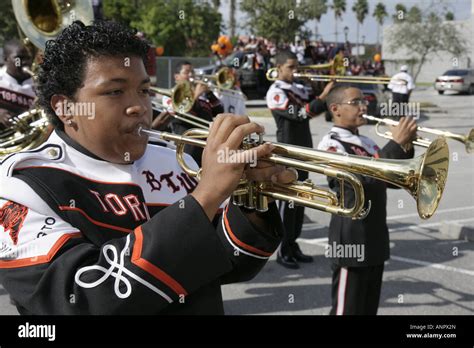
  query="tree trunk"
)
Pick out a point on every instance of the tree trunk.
point(357, 33)
point(232, 18)
point(378, 37)
point(422, 61)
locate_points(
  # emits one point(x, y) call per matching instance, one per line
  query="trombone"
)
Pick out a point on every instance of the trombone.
point(182, 116)
point(272, 75)
point(181, 95)
point(223, 81)
point(423, 177)
point(467, 140)
point(182, 100)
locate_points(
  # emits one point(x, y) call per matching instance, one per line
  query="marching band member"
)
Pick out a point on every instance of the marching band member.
point(98, 221)
point(357, 279)
point(16, 86)
point(206, 105)
point(292, 108)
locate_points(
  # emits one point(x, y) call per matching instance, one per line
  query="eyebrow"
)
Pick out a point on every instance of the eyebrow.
point(122, 80)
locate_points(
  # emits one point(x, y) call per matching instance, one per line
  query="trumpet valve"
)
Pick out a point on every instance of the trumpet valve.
point(249, 201)
point(261, 201)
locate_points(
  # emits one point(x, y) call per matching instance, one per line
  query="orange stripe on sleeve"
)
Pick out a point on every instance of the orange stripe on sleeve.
point(151, 268)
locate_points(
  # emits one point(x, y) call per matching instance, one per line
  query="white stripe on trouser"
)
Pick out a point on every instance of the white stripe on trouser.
point(281, 208)
point(341, 291)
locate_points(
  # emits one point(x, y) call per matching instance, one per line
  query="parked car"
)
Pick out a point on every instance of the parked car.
point(460, 80)
point(373, 93)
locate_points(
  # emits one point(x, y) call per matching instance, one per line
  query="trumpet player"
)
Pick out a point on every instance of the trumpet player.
point(357, 277)
point(98, 221)
point(292, 107)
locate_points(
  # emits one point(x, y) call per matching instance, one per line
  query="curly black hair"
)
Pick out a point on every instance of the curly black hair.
point(63, 68)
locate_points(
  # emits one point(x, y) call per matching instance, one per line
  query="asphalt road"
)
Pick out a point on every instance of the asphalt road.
point(427, 274)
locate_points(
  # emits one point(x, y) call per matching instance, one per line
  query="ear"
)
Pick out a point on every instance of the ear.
point(334, 108)
point(59, 103)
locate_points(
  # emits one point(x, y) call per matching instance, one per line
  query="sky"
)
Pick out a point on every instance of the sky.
point(460, 8)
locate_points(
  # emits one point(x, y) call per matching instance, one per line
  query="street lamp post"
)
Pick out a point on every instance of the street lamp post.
point(362, 43)
point(346, 31)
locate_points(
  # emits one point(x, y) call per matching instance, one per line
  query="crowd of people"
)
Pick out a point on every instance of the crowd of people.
point(259, 54)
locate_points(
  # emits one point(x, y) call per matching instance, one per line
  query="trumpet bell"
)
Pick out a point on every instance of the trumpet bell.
point(225, 79)
point(470, 142)
point(182, 96)
point(433, 173)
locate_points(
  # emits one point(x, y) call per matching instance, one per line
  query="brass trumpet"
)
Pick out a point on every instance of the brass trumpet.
point(423, 177)
point(467, 140)
point(182, 96)
point(223, 79)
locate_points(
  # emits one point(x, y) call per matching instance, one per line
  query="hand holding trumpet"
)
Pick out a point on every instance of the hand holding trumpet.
point(220, 176)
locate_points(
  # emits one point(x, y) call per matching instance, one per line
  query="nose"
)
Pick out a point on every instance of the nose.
point(138, 107)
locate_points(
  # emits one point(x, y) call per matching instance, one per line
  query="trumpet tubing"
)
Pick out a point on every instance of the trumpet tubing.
point(467, 140)
point(423, 177)
point(254, 195)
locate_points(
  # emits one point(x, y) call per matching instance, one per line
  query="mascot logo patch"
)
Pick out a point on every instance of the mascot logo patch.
point(12, 216)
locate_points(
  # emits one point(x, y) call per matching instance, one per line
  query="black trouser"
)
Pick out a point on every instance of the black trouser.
point(400, 98)
point(397, 100)
point(356, 290)
point(292, 217)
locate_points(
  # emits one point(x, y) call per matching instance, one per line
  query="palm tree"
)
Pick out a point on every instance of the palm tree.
point(379, 13)
point(339, 7)
point(317, 8)
point(399, 9)
point(232, 18)
point(361, 9)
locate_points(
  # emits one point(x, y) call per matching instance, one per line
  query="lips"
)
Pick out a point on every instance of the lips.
point(134, 129)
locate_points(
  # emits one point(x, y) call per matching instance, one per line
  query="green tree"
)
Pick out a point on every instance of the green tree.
point(8, 25)
point(123, 11)
point(449, 16)
point(423, 40)
point(400, 13)
point(339, 7)
point(316, 10)
point(414, 15)
point(277, 20)
point(216, 4)
point(182, 27)
point(361, 9)
point(379, 13)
